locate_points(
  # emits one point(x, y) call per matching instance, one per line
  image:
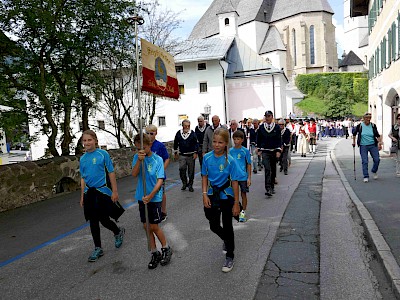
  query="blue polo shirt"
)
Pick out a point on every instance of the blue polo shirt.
point(92, 167)
point(243, 158)
point(160, 149)
point(218, 170)
point(154, 167)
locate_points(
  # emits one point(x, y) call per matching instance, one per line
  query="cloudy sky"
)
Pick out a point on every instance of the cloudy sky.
point(191, 11)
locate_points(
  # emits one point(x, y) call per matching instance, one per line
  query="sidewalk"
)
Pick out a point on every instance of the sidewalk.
point(378, 204)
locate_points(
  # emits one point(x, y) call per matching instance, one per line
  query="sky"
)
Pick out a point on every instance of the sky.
point(191, 11)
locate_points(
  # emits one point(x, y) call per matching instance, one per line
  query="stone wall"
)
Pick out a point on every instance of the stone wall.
point(32, 181)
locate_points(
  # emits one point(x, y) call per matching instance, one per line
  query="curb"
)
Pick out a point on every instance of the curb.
point(385, 255)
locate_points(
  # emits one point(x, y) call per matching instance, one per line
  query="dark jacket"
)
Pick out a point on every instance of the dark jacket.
point(200, 135)
point(358, 130)
point(186, 146)
point(244, 143)
point(269, 141)
point(253, 136)
point(286, 137)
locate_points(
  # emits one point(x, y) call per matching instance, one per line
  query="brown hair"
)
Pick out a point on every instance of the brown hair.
point(238, 134)
point(93, 135)
point(146, 139)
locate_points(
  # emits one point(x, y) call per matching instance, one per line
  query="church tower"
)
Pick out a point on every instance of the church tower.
point(227, 20)
point(355, 33)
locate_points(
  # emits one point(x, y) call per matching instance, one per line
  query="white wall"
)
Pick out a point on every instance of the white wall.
point(192, 103)
point(251, 97)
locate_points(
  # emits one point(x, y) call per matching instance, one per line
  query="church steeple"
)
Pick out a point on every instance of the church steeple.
point(227, 19)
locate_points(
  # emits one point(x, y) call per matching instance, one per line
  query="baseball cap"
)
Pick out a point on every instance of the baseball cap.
point(268, 112)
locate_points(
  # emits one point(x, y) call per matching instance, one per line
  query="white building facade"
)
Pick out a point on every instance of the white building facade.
point(384, 60)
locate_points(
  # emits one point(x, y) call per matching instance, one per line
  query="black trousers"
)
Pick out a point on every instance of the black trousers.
point(225, 232)
point(95, 227)
point(269, 161)
point(284, 158)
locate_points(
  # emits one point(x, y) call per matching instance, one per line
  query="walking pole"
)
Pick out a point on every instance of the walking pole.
point(137, 20)
point(354, 162)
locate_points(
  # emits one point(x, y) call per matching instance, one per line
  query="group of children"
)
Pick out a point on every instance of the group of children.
point(222, 174)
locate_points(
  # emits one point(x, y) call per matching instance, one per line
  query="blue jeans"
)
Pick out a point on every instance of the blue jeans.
point(373, 150)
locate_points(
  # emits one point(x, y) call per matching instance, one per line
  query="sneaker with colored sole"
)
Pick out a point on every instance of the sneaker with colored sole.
point(119, 238)
point(166, 255)
point(155, 260)
point(242, 216)
point(228, 265)
point(97, 252)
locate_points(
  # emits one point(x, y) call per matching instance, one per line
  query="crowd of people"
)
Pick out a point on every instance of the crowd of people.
point(227, 156)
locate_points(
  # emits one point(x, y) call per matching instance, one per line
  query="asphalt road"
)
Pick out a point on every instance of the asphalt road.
point(44, 247)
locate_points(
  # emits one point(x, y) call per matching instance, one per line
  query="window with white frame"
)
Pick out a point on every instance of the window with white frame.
point(161, 121)
point(181, 89)
point(201, 66)
point(203, 87)
point(179, 69)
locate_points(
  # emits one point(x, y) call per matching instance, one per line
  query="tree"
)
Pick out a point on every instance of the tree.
point(337, 105)
point(117, 84)
point(58, 45)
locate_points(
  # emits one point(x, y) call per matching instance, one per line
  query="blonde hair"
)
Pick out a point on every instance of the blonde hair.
point(151, 128)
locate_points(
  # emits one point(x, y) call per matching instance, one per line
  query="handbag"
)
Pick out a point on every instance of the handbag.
point(116, 211)
point(394, 148)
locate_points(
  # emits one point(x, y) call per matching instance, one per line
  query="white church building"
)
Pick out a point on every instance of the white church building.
point(242, 57)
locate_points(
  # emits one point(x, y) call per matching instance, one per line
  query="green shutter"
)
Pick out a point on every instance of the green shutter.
point(389, 48)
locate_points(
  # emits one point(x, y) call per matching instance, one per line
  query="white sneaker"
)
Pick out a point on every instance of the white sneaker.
point(375, 176)
point(365, 179)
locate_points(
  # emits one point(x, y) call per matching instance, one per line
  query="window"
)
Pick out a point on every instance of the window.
point(179, 69)
point(181, 89)
point(294, 50)
point(398, 35)
point(203, 87)
point(161, 121)
point(101, 125)
point(201, 66)
point(226, 21)
point(312, 49)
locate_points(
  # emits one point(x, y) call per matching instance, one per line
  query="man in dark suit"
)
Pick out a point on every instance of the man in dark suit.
point(269, 145)
point(232, 129)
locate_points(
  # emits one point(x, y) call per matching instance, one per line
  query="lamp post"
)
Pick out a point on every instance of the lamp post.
point(207, 111)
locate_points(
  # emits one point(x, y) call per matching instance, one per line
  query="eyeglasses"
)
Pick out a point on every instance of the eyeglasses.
point(281, 124)
point(151, 133)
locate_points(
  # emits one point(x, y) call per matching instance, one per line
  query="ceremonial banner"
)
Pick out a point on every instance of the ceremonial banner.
point(158, 70)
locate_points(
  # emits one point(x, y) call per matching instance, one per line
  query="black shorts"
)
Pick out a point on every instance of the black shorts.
point(243, 186)
point(154, 209)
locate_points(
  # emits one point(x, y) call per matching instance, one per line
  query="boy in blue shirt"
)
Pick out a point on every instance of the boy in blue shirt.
point(159, 149)
point(243, 161)
point(154, 176)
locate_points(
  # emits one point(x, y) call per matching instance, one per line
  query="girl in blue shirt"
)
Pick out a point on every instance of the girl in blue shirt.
point(154, 177)
point(220, 176)
point(96, 198)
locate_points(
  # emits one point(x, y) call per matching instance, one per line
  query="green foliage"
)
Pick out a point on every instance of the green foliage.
point(56, 57)
point(360, 87)
point(312, 105)
point(359, 109)
point(337, 105)
point(338, 92)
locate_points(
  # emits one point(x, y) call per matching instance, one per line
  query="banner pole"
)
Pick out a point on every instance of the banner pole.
point(139, 21)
